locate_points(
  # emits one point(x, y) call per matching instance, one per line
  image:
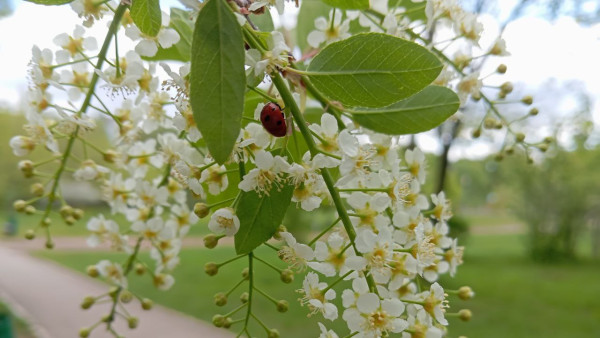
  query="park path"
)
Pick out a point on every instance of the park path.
point(48, 295)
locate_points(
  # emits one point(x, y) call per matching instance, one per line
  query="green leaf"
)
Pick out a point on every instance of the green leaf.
point(260, 216)
point(218, 79)
point(372, 70)
point(309, 11)
point(264, 21)
point(420, 112)
point(348, 4)
point(171, 53)
point(413, 10)
point(50, 2)
point(147, 16)
point(181, 22)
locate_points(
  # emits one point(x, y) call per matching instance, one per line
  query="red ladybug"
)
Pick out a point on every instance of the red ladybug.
point(273, 120)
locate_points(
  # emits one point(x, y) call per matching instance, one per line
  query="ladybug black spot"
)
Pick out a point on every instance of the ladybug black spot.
point(267, 118)
point(272, 108)
point(279, 123)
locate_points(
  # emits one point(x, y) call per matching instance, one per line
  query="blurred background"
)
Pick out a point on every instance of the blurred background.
point(530, 225)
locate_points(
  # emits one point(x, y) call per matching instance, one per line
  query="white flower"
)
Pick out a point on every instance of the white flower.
point(328, 133)
point(499, 48)
point(74, 45)
point(325, 333)
point(368, 209)
point(224, 221)
point(295, 254)
point(329, 30)
point(374, 317)
point(21, 145)
point(275, 57)
point(268, 172)
point(148, 46)
point(434, 303)
point(415, 160)
point(149, 229)
point(316, 299)
point(469, 85)
point(279, 4)
point(163, 281)
point(112, 271)
point(454, 256)
point(90, 171)
point(91, 10)
point(334, 258)
point(216, 179)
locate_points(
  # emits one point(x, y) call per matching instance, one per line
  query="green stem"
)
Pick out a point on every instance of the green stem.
point(326, 230)
point(250, 289)
point(268, 264)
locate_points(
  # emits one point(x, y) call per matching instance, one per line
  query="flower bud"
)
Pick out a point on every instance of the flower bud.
point(506, 87)
point(489, 123)
point(66, 211)
point(280, 228)
point(147, 304)
point(465, 315)
point(49, 244)
point(201, 210)
point(218, 320)
point(78, 213)
point(498, 157)
point(534, 111)
point(245, 273)
point(139, 268)
point(132, 322)
point(527, 100)
point(282, 306)
point(19, 205)
point(29, 234)
point(84, 332)
point(70, 220)
point(244, 297)
point(509, 150)
point(228, 322)
point(548, 139)
point(498, 125)
point(501, 69)
point(26, 167)
point(476, 133)
point(126, 296)
point(113, 291)
point(520, 137)
point(220, 299)
point(29, 210)
point(210, 241)
point(465, 293)
point(37, 189)
point(92, 271)
point(211, 268)
point(543, 147)
point(110, 156)
point(476, 96)
point(45, 222)
point(87, 302)
point(273, 333)
point(287, 276)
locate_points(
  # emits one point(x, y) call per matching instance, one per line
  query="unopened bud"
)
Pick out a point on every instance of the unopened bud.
point(147, 304)
point(92, 271)
point(506, 87)
point(46, 222)
point(245, 273)
point(88, 302)
point(520, 137)
point(281, 228)
point(548, 139)
point(498, 125)
point(66, 211)
point(19, 205)
point(465, 315)
point(465, 293)
point(37, 189)
point(78, 214)
point(210, 241)
point(70, 220)
point(132, 322)
point(84, 332)
point(282, 306)
point(498, 157)
point(489, 123)
point(543, 147)
point(49, 244)
point(273, 333)
point(201, 210)
point(113, 291)
point(476, 96)
point(211, 268)
point(527, 100)
point(287, 276)
point(509, 150)
point(244, 297)
point(26, 168)
point(227, 323)
point(501, 69)
point(110, 156)
point(534, 111)
point(218, 320)
point(220, 299)
point(29, 234)
point(140, 269)
point(30, 210)
point(476, 133)
point(126, 296)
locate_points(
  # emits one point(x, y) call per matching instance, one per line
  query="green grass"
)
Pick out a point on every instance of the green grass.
point(514, 296)
point(489, 217)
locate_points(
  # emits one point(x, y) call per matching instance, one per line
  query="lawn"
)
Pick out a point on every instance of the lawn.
point(18, 327)
point(514, 296)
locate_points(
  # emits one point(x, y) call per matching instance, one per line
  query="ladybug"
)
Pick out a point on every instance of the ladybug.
point(273, 120)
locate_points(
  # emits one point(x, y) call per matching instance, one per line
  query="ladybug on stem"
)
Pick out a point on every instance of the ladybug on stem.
point(273, 119)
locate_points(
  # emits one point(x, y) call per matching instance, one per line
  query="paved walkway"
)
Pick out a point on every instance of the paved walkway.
point(48, 296)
